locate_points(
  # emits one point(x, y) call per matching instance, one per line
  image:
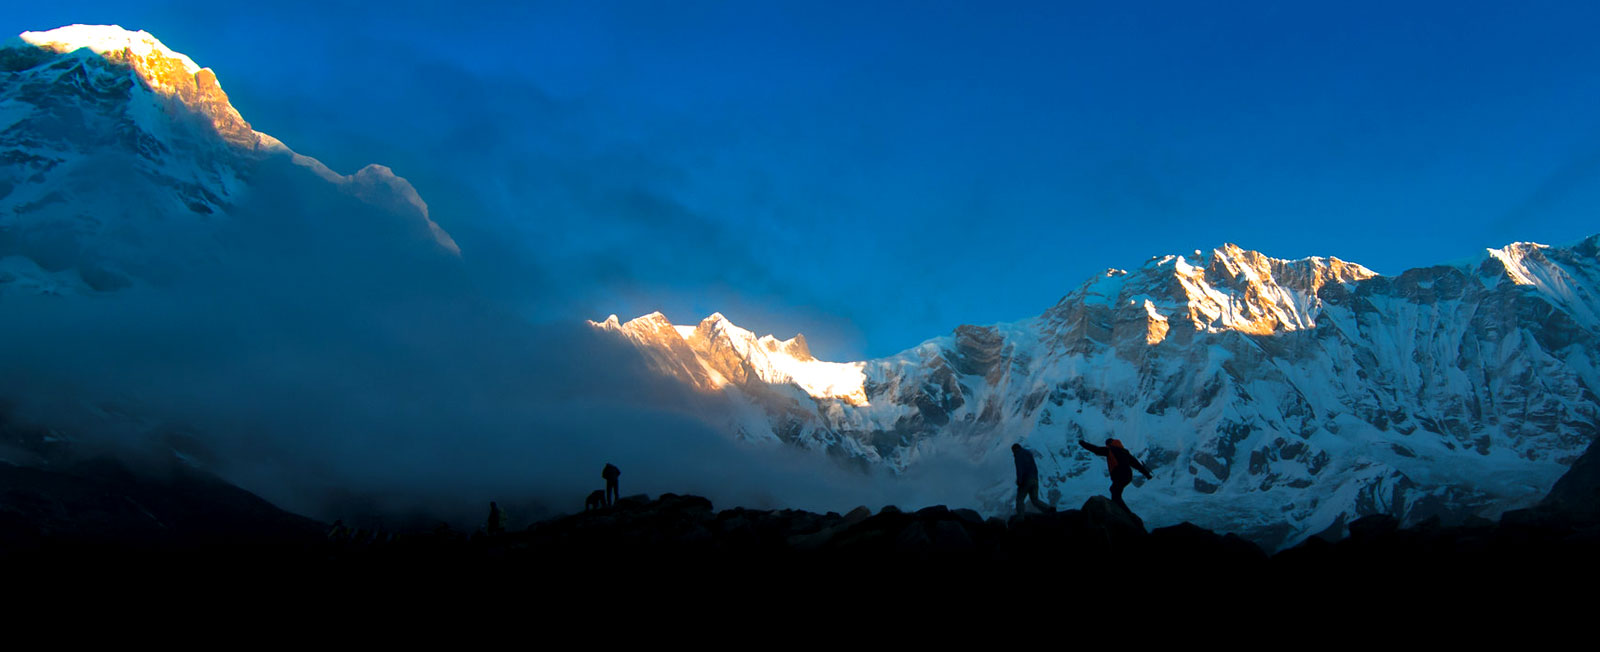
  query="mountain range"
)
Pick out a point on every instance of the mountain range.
point(1273, 398)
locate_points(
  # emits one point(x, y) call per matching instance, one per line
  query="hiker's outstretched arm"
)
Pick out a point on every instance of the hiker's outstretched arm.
point(1142, 469)
point(1097, 450)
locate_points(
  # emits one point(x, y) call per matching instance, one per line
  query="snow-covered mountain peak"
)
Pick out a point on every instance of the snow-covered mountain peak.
point(171, 75)
point(716, 352)
point(1229, 289)
point(1276, 398)
point(1566, 275)
point(110, 142)
point(145, 50)
point(1518, 260)
point(795, 346)
point(717, 327)
point(643, 324)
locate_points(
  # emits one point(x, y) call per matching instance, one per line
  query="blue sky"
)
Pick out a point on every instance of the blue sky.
point(874, 174)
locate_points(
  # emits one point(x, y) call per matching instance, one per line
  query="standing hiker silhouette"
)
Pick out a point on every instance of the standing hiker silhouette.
point(610, 473)
point(497, 519)
point(1027, 479)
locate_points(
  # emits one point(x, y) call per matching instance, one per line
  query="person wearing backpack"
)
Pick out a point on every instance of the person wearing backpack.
point(1120, 463)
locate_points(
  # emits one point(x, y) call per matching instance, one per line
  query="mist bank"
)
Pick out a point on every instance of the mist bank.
point(317, 337)
point(372, 382)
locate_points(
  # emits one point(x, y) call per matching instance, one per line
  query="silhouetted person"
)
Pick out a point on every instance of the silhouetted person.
point(1121, 464)
point(497, 519)
point(610, 473)
point(1027, 479)
point(597, 499)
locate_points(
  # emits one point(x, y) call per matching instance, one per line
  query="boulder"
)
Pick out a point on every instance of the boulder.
point(1242, 549)
point(1193, 547)
point(913, 539)
point(968, 516)
point(1372, 526)
point(1119, 524)
point(857, 515)
point(684, 502)
point(1185, 535)
point(950, 537)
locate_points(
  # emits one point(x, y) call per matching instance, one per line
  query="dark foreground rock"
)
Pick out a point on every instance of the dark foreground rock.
point(1558, 539)
point(682, 540)
point(679, 526)
point(104, 512)
point(1576, 496)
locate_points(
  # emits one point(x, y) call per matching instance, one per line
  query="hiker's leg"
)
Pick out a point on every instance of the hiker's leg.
point(1020, 489)
point(1033, 494)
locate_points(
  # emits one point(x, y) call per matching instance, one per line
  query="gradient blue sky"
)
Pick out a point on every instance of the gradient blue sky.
point(874, 174)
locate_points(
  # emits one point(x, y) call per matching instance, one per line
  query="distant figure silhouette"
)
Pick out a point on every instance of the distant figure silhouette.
point(610, 473)
point(596, 500)
point(497, 519)
point(1121, 464)
point(1027, 479)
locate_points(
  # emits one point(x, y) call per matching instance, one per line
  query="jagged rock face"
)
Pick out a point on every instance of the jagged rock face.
point(656, 336)
point(776, 386)
point(109, 141)
point(1274, 398)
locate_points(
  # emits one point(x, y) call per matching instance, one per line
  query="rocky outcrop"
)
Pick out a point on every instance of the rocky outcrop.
point(141, 516)
point(1097, 541)
point(1576, 496)
point(686, 527)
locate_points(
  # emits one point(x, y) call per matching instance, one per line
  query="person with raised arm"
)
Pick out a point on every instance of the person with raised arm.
point(1120, 463)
